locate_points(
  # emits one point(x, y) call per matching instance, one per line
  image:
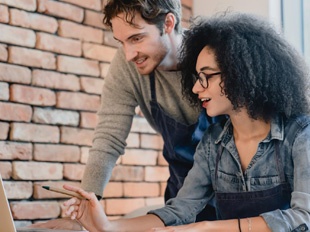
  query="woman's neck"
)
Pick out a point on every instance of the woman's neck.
point(246, 128)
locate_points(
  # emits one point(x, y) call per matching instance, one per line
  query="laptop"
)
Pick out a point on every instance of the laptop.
point(6, 218)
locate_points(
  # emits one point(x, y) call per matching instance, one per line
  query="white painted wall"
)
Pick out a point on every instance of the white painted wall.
point(270, 9)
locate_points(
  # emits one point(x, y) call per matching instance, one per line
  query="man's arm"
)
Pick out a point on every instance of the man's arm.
point(115, 117)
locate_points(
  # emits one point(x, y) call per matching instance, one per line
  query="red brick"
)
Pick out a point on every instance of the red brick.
point(161, 160)
point(141, 189)
point(34, 133)
point(104, 69)
point(55, 80)
point(34, 21)
point(151, 141)
point(13, 73)
point(6, 170)
point(37, 171)
point(108, 39)
point(41, 193)
point(56, 153)
point(4, 91)
point(18, 190)
point(32, 95)
point(155, 174)
point(29, 5)
point(91, 85)
point(90, 4)
point(15, 112)
point(113, 189)
point(4, 130)
point(62, 10)
point(157, 202)
point(78, 66)
point(127, 173)
point(4, 14)
point(163, 186)
point(77, 31)
point(94, 19)
point(133, 140)
point(84, 155)
point(35, 210)
point(3, 50)
point(88, 120)
point(78, 101)
point(31, 57)
point(123, 206)
point(98, 52)
point(140, 124)
point(73, 171)
point(139, 157)
point(15, 151)
point(76, 136)
point(55, 117)
point(58, 44)
point(16, 35)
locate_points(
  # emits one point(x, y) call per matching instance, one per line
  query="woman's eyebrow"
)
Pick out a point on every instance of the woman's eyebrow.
point(208, 68)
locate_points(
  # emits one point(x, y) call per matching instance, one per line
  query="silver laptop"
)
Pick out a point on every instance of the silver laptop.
point(6, 218)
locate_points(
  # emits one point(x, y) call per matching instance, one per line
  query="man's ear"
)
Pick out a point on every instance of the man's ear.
point(170, 22)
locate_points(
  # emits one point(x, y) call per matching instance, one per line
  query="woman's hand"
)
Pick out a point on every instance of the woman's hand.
point(60, 223)
point(89, 212)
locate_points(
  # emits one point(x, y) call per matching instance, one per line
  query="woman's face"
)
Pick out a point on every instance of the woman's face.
point(213, 99)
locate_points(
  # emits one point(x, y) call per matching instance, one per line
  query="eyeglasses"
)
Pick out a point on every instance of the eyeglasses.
point(204, 78)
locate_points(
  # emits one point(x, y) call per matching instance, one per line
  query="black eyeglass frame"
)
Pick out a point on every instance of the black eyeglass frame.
point(203, 77)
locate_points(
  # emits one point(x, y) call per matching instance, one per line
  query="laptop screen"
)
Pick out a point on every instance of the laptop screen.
point(6, 219)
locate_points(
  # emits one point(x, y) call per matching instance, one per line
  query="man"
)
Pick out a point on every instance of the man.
point(144, 73)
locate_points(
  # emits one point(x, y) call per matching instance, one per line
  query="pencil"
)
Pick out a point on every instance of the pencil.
point(63, 191)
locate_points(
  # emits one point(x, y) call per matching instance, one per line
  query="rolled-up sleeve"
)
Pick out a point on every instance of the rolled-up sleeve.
point(296, 218)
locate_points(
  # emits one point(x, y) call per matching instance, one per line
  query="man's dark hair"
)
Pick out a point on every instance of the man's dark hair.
point(152, 11)
point(260, 70)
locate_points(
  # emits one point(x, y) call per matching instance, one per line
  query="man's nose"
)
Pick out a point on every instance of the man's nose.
point(130, 52)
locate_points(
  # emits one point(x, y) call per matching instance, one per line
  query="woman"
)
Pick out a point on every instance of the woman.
point(254, 168)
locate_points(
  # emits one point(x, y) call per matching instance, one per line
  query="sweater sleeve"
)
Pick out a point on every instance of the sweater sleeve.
point(115, 117)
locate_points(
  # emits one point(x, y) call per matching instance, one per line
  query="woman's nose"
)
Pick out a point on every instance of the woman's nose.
point(197, 87)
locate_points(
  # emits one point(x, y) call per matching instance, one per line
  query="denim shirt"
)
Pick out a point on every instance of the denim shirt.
point(294, 142)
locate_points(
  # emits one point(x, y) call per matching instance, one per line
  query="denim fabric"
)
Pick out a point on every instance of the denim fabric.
point(261, 174)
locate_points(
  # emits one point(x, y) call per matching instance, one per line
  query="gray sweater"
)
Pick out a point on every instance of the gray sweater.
point(124, 89)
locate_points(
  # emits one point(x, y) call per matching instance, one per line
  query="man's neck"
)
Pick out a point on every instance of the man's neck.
point(171, 60)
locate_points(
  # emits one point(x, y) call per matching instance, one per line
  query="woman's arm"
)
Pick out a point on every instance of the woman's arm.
point(255, 224)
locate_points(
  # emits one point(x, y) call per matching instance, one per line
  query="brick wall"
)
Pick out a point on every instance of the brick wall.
point(54, 56)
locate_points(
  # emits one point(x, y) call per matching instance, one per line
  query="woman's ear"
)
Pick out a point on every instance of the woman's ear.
point(170, 22)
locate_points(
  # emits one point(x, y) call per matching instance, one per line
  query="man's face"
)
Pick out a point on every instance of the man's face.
point(143, 45)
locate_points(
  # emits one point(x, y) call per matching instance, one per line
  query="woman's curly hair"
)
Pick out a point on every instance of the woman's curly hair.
point(259, 69)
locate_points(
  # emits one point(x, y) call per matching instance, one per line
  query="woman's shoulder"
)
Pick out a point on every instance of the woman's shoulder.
point(216, 129)
point(301, 121)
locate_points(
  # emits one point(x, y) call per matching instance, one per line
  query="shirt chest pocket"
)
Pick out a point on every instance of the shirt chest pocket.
point(227, 182)
point(264, 182)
